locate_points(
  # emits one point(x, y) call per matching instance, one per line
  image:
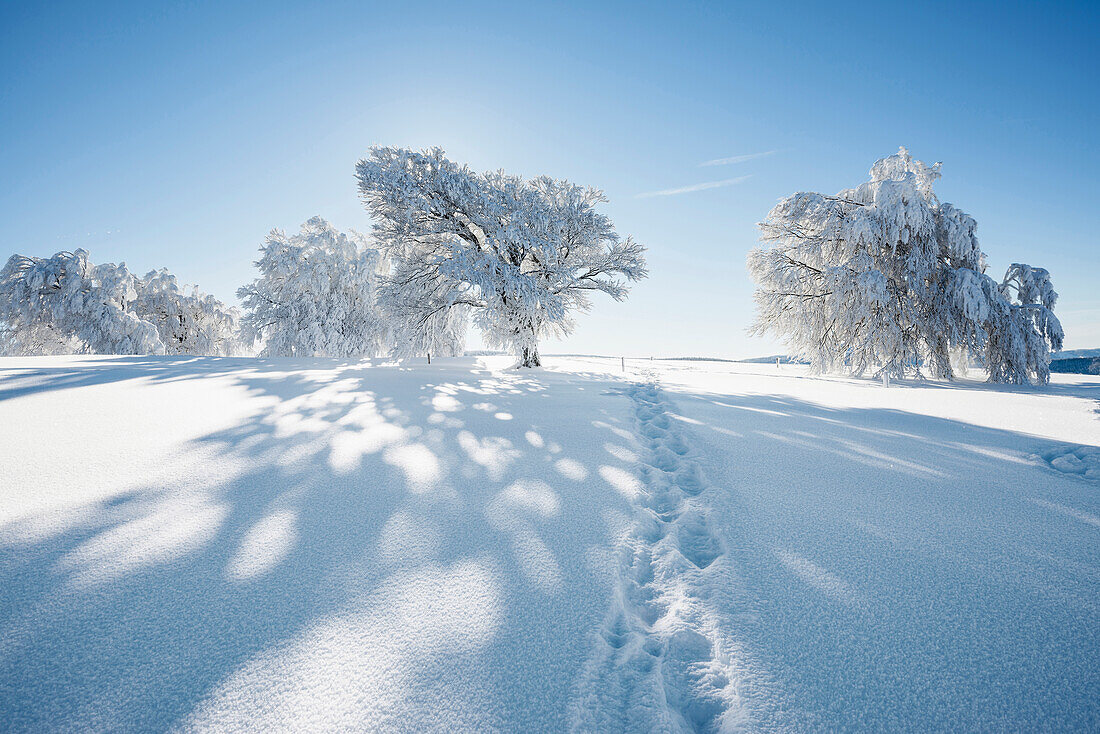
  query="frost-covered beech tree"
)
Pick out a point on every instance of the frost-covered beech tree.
point(65, 304)
point(187, 321)
point(520, 256)
point(316, 295)
point(884, 277)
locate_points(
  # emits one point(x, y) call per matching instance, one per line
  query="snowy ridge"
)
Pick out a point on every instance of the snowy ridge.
point(659, 663)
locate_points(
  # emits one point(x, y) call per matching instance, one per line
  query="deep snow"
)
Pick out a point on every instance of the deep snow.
point(233, 543)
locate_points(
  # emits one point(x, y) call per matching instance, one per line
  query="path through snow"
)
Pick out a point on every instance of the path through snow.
point(659, 663)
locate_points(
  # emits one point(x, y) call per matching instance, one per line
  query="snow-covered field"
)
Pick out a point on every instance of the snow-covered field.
point(220, 544)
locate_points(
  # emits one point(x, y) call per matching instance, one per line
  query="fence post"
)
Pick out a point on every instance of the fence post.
point(624, 363)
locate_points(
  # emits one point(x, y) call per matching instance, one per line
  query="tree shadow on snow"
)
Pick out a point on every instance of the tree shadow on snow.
point(356, 536)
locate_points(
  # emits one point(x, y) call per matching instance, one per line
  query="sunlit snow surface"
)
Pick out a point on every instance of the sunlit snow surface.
point(235, 544)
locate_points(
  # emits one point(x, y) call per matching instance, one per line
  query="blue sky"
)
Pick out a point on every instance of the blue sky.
point(178, 134)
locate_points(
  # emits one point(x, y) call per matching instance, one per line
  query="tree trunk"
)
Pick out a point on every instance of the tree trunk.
point(529, 357)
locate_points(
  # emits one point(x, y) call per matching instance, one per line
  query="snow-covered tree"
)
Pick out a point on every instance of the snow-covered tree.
point(1029, 330)
point(316, 295)
point(884, 277)
point(440, 334)
point(187, 320)
point(65, 304)
point(34, 338)
point(518, 255)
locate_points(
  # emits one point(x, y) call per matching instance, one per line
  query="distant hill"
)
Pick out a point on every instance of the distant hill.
point(783, 359)
point(1076, 353)
point(699, 359)
point(1086, 365)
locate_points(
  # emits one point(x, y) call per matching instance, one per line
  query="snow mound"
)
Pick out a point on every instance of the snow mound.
point(1082, 461)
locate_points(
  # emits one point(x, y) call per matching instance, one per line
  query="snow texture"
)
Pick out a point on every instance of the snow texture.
point(188, 321)
point(65, 304)
point(325, 545)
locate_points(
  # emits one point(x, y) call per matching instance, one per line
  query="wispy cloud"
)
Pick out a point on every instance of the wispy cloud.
point(693, 187)
point(738, 158)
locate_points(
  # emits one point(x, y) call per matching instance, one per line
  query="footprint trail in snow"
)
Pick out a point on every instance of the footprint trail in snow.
point(658, 663)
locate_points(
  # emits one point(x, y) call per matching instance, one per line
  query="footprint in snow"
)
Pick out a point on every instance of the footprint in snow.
point(694, 682)
point(665, 460)
point(618, 633)
point(690, 480)
point(696, 542)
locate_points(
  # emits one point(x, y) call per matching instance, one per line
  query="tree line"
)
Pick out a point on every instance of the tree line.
point(882, 278)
